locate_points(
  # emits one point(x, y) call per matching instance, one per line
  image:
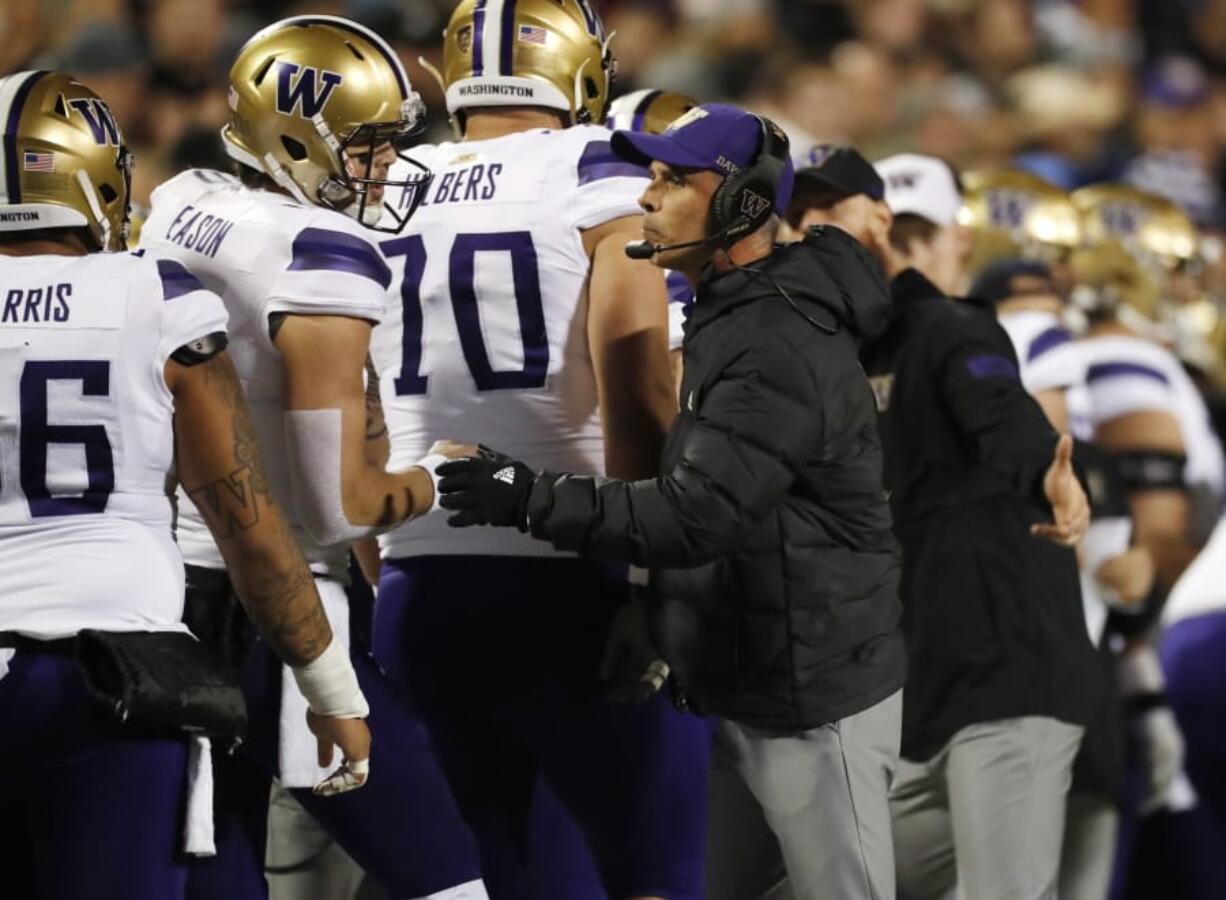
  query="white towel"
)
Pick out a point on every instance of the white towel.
point(297, 746)
point(198, 824)
point(5, 656)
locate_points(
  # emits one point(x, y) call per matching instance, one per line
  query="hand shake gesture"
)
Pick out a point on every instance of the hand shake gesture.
point(1069, 505)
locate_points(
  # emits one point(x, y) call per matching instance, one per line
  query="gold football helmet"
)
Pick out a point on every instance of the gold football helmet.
point(1014, 213)
point(648, 110)
point(1150, 227)
point(1109, 280)
point(64, 161)
point(551, 53)
point(307, 95)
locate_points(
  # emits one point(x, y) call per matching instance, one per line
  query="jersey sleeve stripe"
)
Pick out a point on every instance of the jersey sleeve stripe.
point(599, 161)
point(1099, 371)
point(319, 249)
point(1048, 340)
point(679, 289)
point(176, 280)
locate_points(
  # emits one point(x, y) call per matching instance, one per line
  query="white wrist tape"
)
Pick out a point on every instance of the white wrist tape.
point(313, 448)
point(430, 463)
point(1104, 539)
point(330, 685)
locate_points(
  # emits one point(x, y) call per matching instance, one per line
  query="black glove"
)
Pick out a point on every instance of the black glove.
point(631, 667)
point(487, 489)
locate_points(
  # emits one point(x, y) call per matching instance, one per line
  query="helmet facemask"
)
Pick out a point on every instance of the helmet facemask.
point(364, 158)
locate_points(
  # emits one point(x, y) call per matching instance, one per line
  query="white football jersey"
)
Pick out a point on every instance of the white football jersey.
point(680, 303)
point(1046, 352)
point(87, 440)
point(1126, 374)
point(485, 337)
point(1201, 588)
point(1049, 359)
point(265, 253)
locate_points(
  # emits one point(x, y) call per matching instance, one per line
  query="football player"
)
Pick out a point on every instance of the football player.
point(320, 107)
point(113, 375)
point(651, 112)
point(516, 318)
point(1145, 409)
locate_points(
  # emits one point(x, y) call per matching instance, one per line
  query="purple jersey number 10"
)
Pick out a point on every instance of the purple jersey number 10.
point(526, 281)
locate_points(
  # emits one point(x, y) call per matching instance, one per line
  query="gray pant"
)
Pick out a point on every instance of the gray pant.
point(304, 862)
point(984, 818)
point(813, 805)
point(1091, 824)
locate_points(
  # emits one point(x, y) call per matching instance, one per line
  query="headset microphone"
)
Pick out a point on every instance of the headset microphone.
point(642, 249)
point(646, 249)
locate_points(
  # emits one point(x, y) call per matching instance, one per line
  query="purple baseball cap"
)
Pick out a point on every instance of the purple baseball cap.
point(715, 137)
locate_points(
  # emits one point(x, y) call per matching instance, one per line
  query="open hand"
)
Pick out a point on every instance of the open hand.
point(353, 737)
point(1069, 505)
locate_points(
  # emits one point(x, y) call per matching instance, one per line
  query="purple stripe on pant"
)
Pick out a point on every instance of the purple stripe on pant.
point(403, 828)
point(88, 810)
point(501, 654)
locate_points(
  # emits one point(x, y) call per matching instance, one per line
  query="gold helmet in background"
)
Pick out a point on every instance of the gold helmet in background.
point(1150, 227)
point(1165, 297)
point(550, 53)
point(1108, 278)
point(647, 110)
point(64, 163)
point(306, 90)
point(1013, 213)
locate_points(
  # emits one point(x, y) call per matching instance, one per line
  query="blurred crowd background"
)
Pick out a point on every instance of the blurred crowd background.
point(1078, 92)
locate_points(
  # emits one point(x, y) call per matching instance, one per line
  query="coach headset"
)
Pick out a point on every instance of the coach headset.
point(743, 203)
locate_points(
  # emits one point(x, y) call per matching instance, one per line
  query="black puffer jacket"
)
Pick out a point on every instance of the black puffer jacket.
point(774, 573)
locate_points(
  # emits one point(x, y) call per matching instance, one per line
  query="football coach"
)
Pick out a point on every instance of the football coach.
point(773, 574)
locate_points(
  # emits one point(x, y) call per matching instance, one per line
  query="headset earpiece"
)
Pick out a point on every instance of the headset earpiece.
point(745, 200)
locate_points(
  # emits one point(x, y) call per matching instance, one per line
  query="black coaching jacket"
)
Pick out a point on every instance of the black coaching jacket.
point(993, 616)
point(774, 573)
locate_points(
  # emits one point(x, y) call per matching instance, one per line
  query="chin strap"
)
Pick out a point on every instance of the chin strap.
point(95, 208)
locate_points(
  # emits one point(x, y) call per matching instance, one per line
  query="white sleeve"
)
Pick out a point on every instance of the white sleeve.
point(1052, 362)
point(680, 300)
point(331, 273)
point(189, 310)
point(608, 187)
point(1121, 387)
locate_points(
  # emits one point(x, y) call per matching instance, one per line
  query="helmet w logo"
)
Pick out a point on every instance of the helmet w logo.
point(753, 204)
point(99, 119)
point(307, 95)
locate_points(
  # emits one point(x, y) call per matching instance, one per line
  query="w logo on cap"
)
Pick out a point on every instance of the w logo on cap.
point(307, 95)
point(753, 204)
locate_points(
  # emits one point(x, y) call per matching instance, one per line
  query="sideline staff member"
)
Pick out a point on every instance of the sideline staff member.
point(1001, 667)
point(774, 574)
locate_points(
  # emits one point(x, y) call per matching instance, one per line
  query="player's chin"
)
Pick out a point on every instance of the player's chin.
point(372, 213)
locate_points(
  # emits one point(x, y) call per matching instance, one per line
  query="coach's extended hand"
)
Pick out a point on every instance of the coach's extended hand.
point(1070, 507)
point(487, 489)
